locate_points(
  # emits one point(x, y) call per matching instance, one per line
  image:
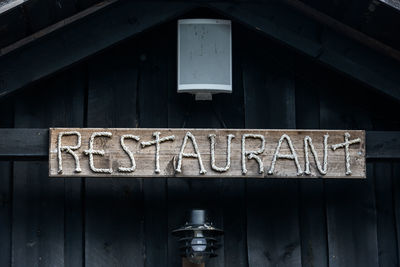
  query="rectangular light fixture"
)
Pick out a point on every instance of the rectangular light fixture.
point(204, 57)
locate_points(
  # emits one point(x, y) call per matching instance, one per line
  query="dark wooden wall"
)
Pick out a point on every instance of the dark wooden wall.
point(127, 222)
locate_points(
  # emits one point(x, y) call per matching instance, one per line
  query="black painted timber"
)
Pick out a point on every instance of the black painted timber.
point(46, 213)
point(24, 143)
point(382, 144)
point(306, 35)
point(125, 19)
point(81, 39)
point(128, 222)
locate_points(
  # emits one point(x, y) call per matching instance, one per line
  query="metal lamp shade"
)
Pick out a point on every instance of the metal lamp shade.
point(198, 237)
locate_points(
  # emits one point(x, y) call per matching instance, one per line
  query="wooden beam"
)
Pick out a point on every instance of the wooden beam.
point(326, 44)
point(392, 3)
point(112, 21)
point(61, 24)
point(10, 4)
point(344, 29)
point(24, 143)
point(383, 145)
point(86, 36)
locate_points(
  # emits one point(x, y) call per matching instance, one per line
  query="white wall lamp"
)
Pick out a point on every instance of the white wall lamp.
point(204, 57)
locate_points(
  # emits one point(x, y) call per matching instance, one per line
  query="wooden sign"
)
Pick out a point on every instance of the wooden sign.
point(206, 153)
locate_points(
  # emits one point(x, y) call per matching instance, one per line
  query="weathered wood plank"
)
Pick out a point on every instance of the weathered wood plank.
point(73, 188)
point(36, 229)
point(313, 231)
point(380, 144)
point(5, 212)
point(396, 203)
point(6, 189)
point(113, 207)
point(351, 220)
point(231, 112)
point(273, 231)
point(26, 143)
point(171, 164)
point(387, 240)
point(233, 198)
point(350, 205)
point(154, 78)
point(42, 215)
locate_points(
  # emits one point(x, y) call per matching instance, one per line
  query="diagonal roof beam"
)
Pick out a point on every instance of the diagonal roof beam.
point(54, 27)
point(392, 3)
point(304, 33)
point(63, 46)
point(6, 5)
point(112, 21)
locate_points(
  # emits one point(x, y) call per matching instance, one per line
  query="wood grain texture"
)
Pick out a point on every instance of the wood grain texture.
point(5, 212)
point(233, 192)
point(24, 143)
point(313, 231)
point(154, 76)
point(47, 221)
point(277, 20)
point(113, 207)
point(396, 204)
point(102, 29)
point(115, 157)
point(381, 144)
point(273, 226)
point(350, 204)
point(386, 223)
point(6, 188)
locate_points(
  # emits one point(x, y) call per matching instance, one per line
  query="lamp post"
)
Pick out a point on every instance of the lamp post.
point(197, 238)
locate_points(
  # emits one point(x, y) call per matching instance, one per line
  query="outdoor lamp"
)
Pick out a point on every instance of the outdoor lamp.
point(198, 237)
point(204, 57)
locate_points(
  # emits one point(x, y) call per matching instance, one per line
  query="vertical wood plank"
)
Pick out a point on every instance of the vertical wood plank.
point(387, 240)
point(230, 111)
point(73, 192)
point(155, 68)
point(6, 187)
point(313, 232)
point(114, 207)
point(273, 236)
point(351, 209)
point(396, 204)
point(44, 228)
point(234, 225)
point(5, 212)
point(38, 216)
